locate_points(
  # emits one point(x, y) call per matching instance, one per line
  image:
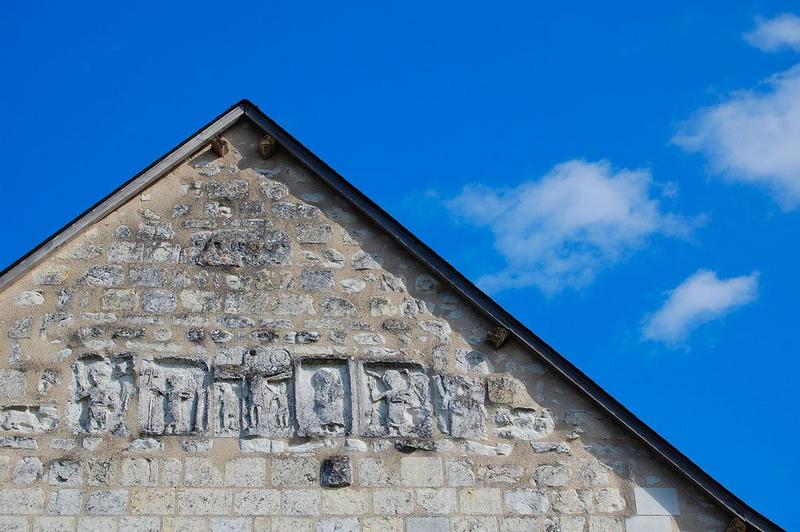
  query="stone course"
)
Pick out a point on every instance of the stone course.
point(238, 349)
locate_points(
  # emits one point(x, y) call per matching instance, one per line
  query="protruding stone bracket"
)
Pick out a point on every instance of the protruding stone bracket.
point(267, 146)
point(497, 336)
point(219, 146)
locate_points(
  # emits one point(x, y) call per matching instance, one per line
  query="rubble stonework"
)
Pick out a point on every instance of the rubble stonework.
point(238, 349)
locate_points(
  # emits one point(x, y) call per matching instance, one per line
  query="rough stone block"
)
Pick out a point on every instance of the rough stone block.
point(480, 501)
point(107, 502)
point(345, 524)
point(473, 524)
point(139, 471)
point(93, 524)
point(346, 501)
point(204, 502)
point(427, 524)
point(552, 475)
point(421, 471)
point(649, 523)
point(295, 472)
point(375, 472)
point(64, 502)
point(440, 501)
point(601, 523)
point(300, 502)
point(21, 501)
point(153, 501)
point(393, 502)
point(382, 524)
point(336, 472)
point(245, 472)
point(27, 470)
point(54, 524)
point(65, 473)
point(526, 501)
point(12, 384)
point(609, 500)
point(520, 524)
point(231, 524)
point(140, 524)
point(258, 502)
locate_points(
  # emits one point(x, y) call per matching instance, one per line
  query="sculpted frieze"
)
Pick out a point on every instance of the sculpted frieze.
point(173, 396)
point(101, 390)
point(395, 400)
point(323, 397)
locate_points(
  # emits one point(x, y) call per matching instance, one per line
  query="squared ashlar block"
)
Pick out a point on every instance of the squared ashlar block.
point(649, 523)
point(656, 501)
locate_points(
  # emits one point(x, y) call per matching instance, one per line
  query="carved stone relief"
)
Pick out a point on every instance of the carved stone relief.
point(395, 401)
point(28, 419)
point(252, 398)
point(173, 396)
point(100, 393)
point(460, 410)
point(242, 247)
point(323, 398)
point(523, 423)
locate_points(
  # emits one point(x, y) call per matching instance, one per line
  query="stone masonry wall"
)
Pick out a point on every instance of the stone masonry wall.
point(237, 349)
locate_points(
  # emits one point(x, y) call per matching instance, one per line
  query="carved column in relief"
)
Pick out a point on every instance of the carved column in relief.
point(395, 400)
point(323, 397)
point(173, 396)
point(100, 392)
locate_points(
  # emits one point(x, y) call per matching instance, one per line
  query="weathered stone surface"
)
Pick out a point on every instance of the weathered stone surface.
point(459, 405)
point(526, 501)
point(27, 470)
point(12, 384)
point(523, 424)
point(336, 472)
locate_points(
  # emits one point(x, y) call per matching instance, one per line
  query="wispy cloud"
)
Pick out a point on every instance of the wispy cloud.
point(560, 230)
point(701, 298)
point(777, 33)
point(753, 137)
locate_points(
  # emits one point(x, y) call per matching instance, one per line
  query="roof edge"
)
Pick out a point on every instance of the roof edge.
point(452, 277)
point(423, 253)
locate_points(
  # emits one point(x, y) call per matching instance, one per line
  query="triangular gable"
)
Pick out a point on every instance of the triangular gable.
point(447, 274)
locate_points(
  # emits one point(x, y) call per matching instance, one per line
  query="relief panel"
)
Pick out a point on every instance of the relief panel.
point(173, 396)
point(460, 410)
point(28, 419)
point(395, 400)
point(100, 393)
point(323, 398)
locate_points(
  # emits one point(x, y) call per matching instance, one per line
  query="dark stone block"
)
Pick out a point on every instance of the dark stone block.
point(409, 445)
point(336, 472)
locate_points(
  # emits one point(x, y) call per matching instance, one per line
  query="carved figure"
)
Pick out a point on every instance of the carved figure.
point(229, 411)
point(268, 404)
point(173, 396)
point(397, 403)
point(100, 393)
point(460, 407)
point(328, 399)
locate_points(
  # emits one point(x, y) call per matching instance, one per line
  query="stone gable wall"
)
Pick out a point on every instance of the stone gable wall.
point(237, 349)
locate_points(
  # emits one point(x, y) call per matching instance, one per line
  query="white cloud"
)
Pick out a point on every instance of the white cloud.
point(782, 31)
point(562, 229)
point(701, 298)
point(753, 137)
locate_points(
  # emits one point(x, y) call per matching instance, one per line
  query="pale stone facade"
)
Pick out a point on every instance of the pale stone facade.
point(238, 349)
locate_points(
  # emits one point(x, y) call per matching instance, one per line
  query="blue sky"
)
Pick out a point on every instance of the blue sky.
point(623, 177)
